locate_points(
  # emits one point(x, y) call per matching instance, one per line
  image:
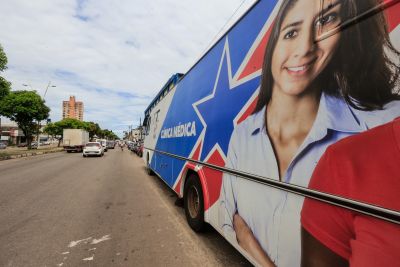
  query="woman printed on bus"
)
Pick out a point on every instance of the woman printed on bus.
point(316, 89)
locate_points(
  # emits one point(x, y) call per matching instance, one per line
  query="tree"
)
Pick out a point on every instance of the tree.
point(93, 129)
point(26, 108)
point(108, 134)
point(5, 85)
point(70, 123)
point(54, 130)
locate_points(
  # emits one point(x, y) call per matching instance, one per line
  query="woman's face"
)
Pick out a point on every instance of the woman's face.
point(297, 58)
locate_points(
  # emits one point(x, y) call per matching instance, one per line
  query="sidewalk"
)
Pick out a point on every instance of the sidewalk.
point(19, 152)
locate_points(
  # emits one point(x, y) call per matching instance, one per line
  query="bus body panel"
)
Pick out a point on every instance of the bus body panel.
point(195, 120)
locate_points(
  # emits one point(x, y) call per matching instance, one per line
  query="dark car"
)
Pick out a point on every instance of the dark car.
point(131, 146)
point(140, 150)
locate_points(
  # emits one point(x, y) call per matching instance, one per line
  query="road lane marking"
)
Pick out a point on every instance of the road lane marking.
point(88, 259)
point(74, 243)
point(103, 238)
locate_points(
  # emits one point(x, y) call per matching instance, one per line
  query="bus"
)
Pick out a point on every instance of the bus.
point(283, 135)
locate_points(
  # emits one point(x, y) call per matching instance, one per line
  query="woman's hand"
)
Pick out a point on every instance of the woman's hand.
point(248, 242)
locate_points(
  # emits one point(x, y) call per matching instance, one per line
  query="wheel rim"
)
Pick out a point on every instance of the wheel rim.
point(193, 202)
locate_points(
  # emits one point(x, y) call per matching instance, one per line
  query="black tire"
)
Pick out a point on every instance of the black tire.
point(149, 171)
point(194, 203)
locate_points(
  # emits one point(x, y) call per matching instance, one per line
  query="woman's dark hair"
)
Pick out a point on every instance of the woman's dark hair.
point(361, 70)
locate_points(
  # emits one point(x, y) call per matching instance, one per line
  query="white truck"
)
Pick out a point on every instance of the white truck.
point(75, 139)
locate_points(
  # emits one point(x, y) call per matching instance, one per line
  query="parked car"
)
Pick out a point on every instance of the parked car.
point(111, 144)
point(140, 150)
point(93, 149)
point(131, 146)
point(135, 148)
point(22, 145)
point(3, 146)
point(34, 145)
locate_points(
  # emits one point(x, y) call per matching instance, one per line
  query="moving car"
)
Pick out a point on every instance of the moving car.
point(93, 149)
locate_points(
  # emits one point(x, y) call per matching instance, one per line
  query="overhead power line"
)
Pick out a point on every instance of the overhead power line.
point(226, 23)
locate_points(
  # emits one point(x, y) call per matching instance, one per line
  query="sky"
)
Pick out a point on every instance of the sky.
point(113, 55)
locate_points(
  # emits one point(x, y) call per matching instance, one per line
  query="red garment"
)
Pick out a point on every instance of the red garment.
point(364, 167)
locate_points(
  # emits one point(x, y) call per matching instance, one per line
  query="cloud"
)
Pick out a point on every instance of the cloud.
point(114, 57)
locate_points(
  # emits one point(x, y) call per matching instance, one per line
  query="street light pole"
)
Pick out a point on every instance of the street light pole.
point(47, 88)
point(43, 98)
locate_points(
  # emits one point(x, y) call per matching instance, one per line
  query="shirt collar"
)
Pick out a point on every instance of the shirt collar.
point(333, 113)
point(258, 122)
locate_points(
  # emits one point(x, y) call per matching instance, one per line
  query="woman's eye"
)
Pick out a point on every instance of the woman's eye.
point(322, 21)
point(291, 34)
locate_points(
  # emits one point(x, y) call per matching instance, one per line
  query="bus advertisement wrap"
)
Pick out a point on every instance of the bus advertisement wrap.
point(299, 98)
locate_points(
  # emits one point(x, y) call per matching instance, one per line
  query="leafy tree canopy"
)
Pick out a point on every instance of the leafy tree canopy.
point(70, 123)
point(5, 86)
point(3, 59)
point(25, 108)
point(108, 134)
point(53, 129)
point(93, 129)
point(56, 128)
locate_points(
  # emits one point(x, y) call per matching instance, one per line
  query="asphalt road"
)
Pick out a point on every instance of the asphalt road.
point(65, 210)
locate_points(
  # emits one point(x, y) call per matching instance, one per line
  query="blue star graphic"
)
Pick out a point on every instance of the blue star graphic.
point(219, 111)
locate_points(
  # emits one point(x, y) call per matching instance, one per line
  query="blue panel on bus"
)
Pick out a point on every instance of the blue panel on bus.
point(242, 36)
point(227, 101)
point(209, 86)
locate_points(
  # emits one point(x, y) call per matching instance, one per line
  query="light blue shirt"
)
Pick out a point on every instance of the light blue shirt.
point(274, 215)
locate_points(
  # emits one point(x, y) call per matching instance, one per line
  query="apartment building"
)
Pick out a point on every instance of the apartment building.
point(72, 109)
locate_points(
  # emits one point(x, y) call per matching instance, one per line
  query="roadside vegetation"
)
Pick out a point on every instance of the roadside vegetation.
point(28, 109)
point(55, 130)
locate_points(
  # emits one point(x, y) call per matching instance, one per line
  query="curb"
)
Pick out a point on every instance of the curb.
point(28, 154)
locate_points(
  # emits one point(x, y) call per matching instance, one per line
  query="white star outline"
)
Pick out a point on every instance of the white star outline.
point(234, 81)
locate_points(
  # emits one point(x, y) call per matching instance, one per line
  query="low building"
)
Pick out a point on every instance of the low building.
point(11, 134)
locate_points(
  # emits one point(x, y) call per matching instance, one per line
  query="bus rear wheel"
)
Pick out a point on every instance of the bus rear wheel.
point(148, 169)
point(194, 204)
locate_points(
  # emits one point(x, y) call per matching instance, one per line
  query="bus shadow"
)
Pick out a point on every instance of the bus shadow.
point(210, 237)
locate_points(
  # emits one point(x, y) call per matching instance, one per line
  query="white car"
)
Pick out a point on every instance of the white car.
point(103, 143)
point(93, 149)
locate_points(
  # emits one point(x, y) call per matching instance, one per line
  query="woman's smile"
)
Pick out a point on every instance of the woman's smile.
point(300, 69)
